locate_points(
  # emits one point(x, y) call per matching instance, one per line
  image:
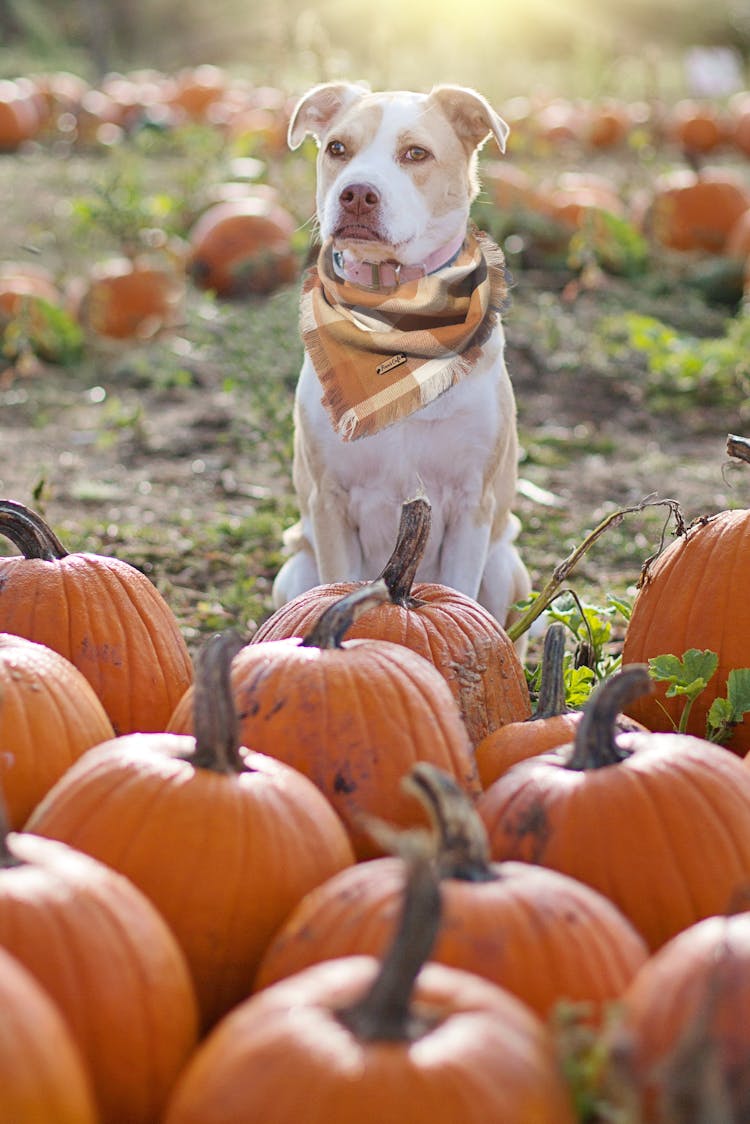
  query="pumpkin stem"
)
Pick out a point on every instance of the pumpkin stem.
point(738, 447)
point(595, 742)
point(463, 847)
point(29, 532)
point(413, 533)
point(384, 1013)
point(335, 622)
point(7, 858)
point(551, 701)
point(217, 737)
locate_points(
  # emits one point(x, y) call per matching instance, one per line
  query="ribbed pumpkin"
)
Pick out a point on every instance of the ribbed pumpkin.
point(352, 715)
point(660, 823)
point(243, 246)
point(696, 594)
point(102, 614)
point(465, 643)
point(540, 934)
point(686, 1025)
point(551, 725)
point(223, 841)
point(126, 299)
point(687, 211)
point(108, 960)
point(49, 716)
point(349, 1040)
point(42, 1076)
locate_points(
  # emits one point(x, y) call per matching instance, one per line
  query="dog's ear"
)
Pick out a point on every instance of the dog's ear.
point(320, 107)
point(471, 115)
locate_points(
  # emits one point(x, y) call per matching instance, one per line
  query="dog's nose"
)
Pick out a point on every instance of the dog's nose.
point(359, 198)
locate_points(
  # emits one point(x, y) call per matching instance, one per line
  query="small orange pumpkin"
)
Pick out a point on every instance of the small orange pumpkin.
point(127, 299)
point(454, 632)
point(42, 1076)
point(102, 614)
point(110, 963)
point(690, 211)
point(352, 715)
point(243, 246)
point(615, 805)
point(684, 1024)
point(540, 934)
point(49, 716)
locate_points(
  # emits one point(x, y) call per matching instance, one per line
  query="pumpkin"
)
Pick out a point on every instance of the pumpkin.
point(102, 614)
point(352, 1039)
point(695, 594)
point(42, 1076)
point(129, 299)
point(19, 116)
point(660, 823)
point(223, 841)
point(111, 965)
point(551, 725)
point(541, 935)
point(454, 632)
point(689, 211)
point(685, 1021)
point(351, 715)
point(243, 246)
point(696, 126)
point(196, 89)
point(49, 716)
point(606, 124)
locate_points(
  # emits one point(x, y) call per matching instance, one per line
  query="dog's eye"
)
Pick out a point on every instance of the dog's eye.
point(336, 148)
point(415, 154)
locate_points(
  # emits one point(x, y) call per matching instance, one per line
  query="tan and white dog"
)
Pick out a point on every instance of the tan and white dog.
point(396, 178)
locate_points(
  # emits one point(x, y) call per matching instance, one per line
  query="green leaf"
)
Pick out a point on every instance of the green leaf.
point(579, 683)
point(738, 691)
point(687, 676)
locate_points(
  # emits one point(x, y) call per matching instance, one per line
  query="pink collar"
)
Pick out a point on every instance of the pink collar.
point(391, 274)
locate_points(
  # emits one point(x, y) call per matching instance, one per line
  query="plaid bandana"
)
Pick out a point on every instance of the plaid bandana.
point(382, 354)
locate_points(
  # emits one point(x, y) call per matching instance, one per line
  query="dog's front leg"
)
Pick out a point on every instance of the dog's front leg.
point(463, 554)
point(336, 542)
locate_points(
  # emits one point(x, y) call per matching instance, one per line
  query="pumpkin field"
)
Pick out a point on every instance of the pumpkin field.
point(355, 859)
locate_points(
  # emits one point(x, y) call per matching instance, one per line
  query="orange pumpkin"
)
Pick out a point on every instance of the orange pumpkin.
point(103, 615)
point(42, 1076)
point(540, 934)
point(19, 116)
point(697, 127)
point(684, 1025)
point(687, 211)
point(696, 594)
point(49, 716)
point(551, 725)
point(612, 805)
point(454, 632)
point(243, 246)
point(126, 299)
point(352, 715)
point(350, 1040)
point(223, 841)
point(111, 965)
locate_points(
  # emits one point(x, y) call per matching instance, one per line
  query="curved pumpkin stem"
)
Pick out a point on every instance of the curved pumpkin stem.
point(551, 701)
point(595, 743)
point(463, 846)
point(217, 738)
point(29, 532)
point(400, 569)
point(738, 447)
point(384, 1013)
point(338, 618)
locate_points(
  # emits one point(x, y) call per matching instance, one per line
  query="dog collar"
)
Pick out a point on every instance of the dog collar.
point(385, 275)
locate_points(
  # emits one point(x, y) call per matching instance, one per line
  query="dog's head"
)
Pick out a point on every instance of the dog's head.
point(396, 171)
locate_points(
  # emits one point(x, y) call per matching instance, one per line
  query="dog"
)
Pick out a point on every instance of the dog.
point(396, 176)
